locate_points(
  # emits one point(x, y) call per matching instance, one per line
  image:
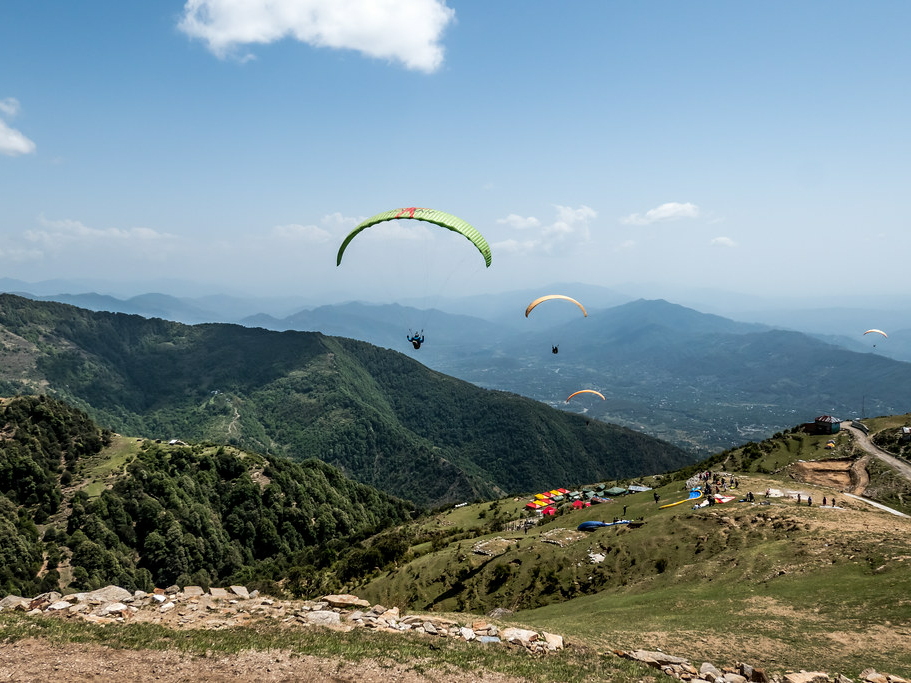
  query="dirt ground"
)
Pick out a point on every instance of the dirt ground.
point(39, 662)
point(841, 475)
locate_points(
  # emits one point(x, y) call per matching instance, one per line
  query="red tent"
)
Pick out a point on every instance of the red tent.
point(577, 504)
point(549, 510)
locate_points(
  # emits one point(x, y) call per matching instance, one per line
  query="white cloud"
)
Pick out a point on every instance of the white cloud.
point(58, 233)
point(723, 242)
point(666, 212)
point(407, 31)
point(338, 220)
point(306, 233)
point(12, 142)
point(512, 246)
point(17, 254)
point(9, 106)
point(570, 227)
point(571, 221)
point(626, 244)
point(519, 222)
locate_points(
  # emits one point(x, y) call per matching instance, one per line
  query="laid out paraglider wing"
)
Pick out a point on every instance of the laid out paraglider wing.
point(585, 391)
point(877, 332)
point(440, 218)
point(553, 296)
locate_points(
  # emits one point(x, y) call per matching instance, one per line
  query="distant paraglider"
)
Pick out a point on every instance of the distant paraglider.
point(549, 297)
point(555, 348)
point(875, 331)
point(433, 216)
point(585, 391)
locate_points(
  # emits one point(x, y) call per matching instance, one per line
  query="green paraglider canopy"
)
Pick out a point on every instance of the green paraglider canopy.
point(440, 218)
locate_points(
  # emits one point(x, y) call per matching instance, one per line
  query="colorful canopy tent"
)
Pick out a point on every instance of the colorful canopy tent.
point(614, 491)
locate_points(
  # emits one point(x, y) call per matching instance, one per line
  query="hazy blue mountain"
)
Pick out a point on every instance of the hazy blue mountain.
point(378, 415)
point(689, 377)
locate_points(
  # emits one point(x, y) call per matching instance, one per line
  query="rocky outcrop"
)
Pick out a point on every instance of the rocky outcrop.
point(741, 673)
point(192, 607)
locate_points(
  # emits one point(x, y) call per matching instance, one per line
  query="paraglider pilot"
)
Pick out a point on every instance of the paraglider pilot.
point(416, 339)
point(554, 349)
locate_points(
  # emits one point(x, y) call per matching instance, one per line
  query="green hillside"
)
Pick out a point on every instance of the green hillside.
point(381, 417)
point(141, 514)
point(770, 582)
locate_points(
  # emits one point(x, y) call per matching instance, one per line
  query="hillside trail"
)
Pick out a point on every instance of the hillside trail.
point(868, 446)
point(39, 661)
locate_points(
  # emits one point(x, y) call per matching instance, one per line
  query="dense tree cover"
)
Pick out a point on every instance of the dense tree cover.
point(201, 514)
point(41, 442)
point(381, 417)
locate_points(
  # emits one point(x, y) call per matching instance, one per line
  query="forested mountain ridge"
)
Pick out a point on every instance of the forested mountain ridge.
point(380, 416)
point(141, 514)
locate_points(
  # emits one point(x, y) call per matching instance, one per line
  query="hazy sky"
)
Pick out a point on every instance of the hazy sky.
point(758, 147)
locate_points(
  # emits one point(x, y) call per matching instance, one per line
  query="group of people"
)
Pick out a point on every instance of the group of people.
point(825, 500)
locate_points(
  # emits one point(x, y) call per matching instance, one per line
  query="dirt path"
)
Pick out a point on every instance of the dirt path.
point(867, 445)
point(38, 661)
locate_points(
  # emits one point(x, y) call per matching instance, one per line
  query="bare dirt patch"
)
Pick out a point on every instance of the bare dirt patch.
point(39, 661)
point(835, 474)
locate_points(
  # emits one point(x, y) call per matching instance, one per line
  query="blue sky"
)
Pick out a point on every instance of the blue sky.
point(760, 148)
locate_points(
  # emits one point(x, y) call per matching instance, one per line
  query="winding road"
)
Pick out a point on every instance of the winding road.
point(862, 440)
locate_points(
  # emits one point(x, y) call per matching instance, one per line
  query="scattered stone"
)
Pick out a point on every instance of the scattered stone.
point(218, 592)
point(59, 605)
point(520, 635)
point(554, 642)
point(172, 590)
point(322, 617)
point(809, 677)
point(240, 591)
point(167, 607)
point(13, 601)
point(108, 594)
point(488, 639)
point(193, 591)
point(467, 633)
point(113, 608)
point(346, 601)
point(159, 598)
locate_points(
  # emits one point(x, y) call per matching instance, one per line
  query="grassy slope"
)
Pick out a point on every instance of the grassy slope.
point(779, 586)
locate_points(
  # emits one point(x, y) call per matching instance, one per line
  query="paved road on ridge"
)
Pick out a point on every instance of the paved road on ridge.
point(867, 445)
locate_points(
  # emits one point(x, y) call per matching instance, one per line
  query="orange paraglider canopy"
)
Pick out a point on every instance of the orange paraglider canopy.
point(585, 391)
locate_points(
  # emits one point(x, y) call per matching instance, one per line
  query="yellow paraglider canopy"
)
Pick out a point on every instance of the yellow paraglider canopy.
point(877, 332)
point(553, 296)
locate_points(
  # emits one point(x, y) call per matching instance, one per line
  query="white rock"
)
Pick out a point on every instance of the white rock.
point(59, 605)
point(167, 607)
point(554, 641)
point(466, 633)
point(323, 617)
point(112, 608)
point(523, 636)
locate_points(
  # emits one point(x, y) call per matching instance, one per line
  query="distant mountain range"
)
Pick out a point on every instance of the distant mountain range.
point(700, 380)
point(381, 417)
